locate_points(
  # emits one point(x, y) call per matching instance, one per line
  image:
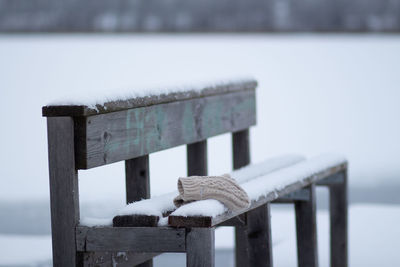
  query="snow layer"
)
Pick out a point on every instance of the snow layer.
point(100, 98)
point(265, 184)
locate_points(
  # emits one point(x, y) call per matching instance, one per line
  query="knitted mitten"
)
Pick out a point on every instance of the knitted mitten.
point(222, 188)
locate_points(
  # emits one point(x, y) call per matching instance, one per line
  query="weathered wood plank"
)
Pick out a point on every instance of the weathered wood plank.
point(163, 239)
point(120, 259)
point(299, 195)
point(111, 137)
point(197, 158)
point(135, 221)
point(306, 229)
point(200, 251)
point(338, 221)
point(240, 220)
point(150, 100)
point(240, 158)
point(64, 194)
point(337, 178)
point(210, 222)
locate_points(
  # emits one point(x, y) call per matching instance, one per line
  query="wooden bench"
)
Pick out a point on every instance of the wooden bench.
point(84, 136)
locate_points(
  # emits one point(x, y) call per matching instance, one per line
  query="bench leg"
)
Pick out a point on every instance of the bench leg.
point(306, 228)
point(338, 221)
point(200, 250)
point(254, 241)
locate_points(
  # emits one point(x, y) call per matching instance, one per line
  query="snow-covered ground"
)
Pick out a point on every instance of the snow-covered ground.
point(370, 244)
point(317, 93)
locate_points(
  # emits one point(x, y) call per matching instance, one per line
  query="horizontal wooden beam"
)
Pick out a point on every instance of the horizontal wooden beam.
point(120, 259)
point(334, 179)
point(135, 239)
point(300, 195)
point(149, 100)
point(111, 137)
point(135, 221)
point(205, 221)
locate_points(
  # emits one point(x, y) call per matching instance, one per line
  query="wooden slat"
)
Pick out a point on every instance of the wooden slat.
point(210, 222)
point(306, 229)
point(240, 158)
point(197, 158)
point(240, 220)
point(163, 239)
point(150, 100)
point(64, 194)
point(135, 221)
point(111, 137)
point(200, 251)
point(338, 221)
point(337, 178)
point(120, 259)
point(299, 195)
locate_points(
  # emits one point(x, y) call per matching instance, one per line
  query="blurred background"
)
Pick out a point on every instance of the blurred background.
point(329, 81)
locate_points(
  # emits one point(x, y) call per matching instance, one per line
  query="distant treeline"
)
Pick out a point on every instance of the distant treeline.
point(199, 15)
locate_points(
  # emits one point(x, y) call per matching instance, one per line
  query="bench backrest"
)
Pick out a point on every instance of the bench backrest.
point(126, 129)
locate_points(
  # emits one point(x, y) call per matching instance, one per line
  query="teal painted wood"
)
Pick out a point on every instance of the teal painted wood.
point(107, 138)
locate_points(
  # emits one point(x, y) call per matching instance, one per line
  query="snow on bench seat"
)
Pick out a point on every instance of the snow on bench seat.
point(162, 205)
point(263, 189)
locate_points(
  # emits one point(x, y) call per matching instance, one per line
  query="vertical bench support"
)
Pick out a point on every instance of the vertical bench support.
point(306, 228)
point(253, 242)
point(64, 193)
point(137, 179)
point(197, 158)
point(200, 250)
point(338, 221)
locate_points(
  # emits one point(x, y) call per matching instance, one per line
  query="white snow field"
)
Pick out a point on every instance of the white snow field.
point(317, 93)
point(370, 243)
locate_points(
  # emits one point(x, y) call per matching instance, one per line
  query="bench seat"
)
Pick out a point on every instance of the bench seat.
point(272, 180)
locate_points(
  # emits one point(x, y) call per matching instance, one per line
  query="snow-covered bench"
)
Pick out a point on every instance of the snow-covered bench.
point(83, 136)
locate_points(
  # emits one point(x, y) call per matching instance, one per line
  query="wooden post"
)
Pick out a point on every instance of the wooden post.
point(338, 218)
point(253, 245)
point(241, 158)
point(197, 158)
point(258, 236)
point(64, 194)
point(306, 228)
point(200, 251)
point(137, 178)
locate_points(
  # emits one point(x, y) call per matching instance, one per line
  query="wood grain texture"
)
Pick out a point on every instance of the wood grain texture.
point(339, 223)
point(197, 158)
point(150, 100)
point(120, 259)
point(111, 137)
point(200, 250)
point(200, 221)
point(136, 239)
point(64, 194)
point(240, 158)
point(306, 230)
point(335, 179)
